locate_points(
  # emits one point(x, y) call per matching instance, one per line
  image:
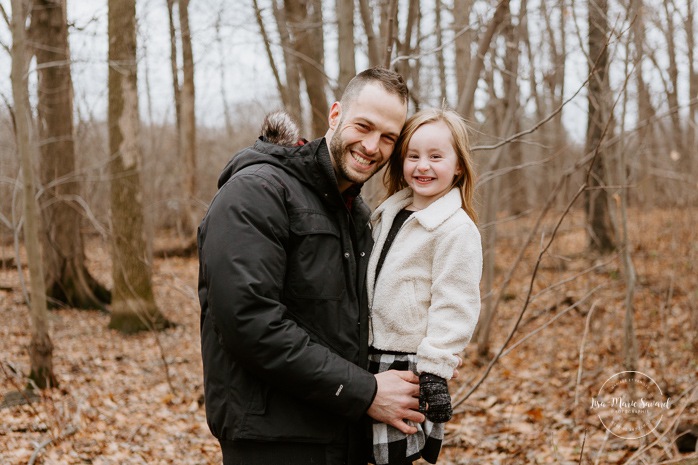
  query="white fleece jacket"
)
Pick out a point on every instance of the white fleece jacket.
point(426, 299)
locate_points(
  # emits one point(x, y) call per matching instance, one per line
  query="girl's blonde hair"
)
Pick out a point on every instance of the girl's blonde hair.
point(393, 177)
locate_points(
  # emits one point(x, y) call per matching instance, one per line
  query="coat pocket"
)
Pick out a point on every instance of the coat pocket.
point(314, 267)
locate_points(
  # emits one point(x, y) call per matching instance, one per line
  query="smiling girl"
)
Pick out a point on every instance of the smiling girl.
point(424, 274)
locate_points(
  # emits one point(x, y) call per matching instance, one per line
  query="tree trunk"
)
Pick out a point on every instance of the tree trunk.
point(463, 41)
point(516, 179)
point(405, 47)
point(372, 41)
point(270, 55)
point(133, 305)
point(174, 67)
point(292, 91)
point(40, 346)
point(345, 44)
point(676, 139)
point(68, 282)
point(645, 109)
point(692, 129)
point(510, 110)
point(440, 53)
point(554, 80)
point(601, 234)
point(466, 101)
point(187, 133)
point(305, 23)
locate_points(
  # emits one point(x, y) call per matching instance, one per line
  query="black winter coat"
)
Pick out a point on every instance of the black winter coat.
point(283, 307)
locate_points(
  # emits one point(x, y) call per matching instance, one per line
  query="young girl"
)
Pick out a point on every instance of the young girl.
point(424, 274)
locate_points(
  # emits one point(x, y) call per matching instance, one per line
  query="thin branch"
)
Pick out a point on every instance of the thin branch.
point(535, 127)
point(4, 15)
point(267, 49)
point(580, 369)
point(552, 320)
point(490, 175)
point(582, 188)
point(692, 390)
point(434, 50)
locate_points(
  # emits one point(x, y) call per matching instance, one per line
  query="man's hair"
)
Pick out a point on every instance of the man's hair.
point(391, 81)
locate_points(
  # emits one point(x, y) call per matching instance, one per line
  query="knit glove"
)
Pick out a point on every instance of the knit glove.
point(434, 400)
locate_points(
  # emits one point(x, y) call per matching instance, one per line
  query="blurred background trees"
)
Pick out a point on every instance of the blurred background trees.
point(555, 93)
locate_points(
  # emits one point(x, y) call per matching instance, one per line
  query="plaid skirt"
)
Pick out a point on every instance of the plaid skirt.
point(390, 445)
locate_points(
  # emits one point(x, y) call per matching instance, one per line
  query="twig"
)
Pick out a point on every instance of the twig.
point(579, 192)
point(4, 15)
point(603, 446)
point(164, 362)
point(693, 390)
point(552, 320)
point(39, 447)
point(22, 392)
point(581, 453)
point(581, 353)
point(526, 303)
point(572, 278)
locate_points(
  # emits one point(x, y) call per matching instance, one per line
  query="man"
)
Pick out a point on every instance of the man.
point(283, 251)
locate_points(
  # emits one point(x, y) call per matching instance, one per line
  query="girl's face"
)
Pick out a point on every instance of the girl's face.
point(430, 163)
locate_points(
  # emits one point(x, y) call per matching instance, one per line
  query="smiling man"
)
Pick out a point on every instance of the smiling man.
point(283, 252)
point(364, 127)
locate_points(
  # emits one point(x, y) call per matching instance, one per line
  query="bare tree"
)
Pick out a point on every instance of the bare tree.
point(630, 348)
point(372, 38)
point(463, 40)
point(441, 63)
point(345, 43)
point(516, 180)
point(290, 99)
point(40, 346)
point(174, 67)
point(67, 279)
point(133, 305)
point(304, 21)
point(187, 130)
point(466, 102)
point(672, 90)
point(184, 98)
point(600, 229)
point(507, 110)
point(645, 110)
point(292, 91)
point(692, 130)
point(405, 47)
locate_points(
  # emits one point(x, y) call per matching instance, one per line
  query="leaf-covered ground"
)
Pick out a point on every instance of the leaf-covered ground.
point(136, 399)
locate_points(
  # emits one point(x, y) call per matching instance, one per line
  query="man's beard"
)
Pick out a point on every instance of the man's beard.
point(340, 155)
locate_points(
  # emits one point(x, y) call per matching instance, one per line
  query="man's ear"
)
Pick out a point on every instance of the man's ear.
point(335, 115)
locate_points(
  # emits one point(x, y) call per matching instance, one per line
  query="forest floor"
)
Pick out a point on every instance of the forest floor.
point(137, 399)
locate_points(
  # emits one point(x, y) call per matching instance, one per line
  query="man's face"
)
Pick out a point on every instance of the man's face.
point(362, 136)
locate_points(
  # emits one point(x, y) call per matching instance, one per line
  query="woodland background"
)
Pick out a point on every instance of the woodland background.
point(584, 117)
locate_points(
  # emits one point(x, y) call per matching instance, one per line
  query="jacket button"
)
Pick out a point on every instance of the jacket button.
point(346, 254)
point(363, 254)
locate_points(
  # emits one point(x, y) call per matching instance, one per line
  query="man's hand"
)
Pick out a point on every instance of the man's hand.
point(397, 400)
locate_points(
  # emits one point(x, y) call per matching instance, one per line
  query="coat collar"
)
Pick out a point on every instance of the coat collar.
point(431, 217)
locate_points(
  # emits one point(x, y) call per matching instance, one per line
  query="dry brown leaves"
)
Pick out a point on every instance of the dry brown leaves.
point(115, 406)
